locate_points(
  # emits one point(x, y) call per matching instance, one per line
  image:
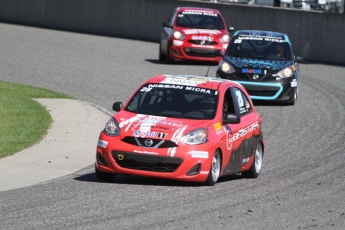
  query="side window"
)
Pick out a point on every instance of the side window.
point(242, 101)
point(228, 105)
point(172, 18)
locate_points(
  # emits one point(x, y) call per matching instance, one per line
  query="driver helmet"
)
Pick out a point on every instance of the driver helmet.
point(207, 104)
point(280, 49)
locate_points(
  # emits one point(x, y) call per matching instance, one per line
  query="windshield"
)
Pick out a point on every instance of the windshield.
point(267, 48)
point(179, 101)
point(201, 20)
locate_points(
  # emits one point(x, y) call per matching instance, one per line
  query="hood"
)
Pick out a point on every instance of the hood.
point(202, 34)
point(249, 63)
point(156, 127)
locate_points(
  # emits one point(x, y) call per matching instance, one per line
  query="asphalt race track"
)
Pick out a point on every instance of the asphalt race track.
point(301, 186)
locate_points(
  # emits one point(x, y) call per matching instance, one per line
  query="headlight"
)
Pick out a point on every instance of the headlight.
point(178, 35)
point(195, 137)
point(112, 128)
point(225, 39)
point(287, 72)
point(227, 67)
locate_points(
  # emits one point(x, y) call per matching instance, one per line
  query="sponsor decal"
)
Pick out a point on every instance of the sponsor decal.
point(139, 133)
point(203, 38)
point(146, 152)
point(192, 81)
point(241, 133)
point(259, 38)
point(176, 138)
point(246, 160)
point(200, 12)
point(190, 88)
point(199, 154)
point(204, 172)
point(217, 126)
point(162, 135)
point(255, 71)
point(219, 132)
point(200, 31)
point(102, 144)
point(294, 83)
point(166, 86)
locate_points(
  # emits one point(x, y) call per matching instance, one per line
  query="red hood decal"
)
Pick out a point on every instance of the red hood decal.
point(147, 126)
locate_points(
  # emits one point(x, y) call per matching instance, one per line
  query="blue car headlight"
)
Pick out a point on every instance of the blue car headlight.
point(287, 72)
point(112, 128)
point(195, 137)
point(227, 67)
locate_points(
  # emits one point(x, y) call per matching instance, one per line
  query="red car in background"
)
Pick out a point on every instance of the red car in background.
point(182, 127)
point(193, 34)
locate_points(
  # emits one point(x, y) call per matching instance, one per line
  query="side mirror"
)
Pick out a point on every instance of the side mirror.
point(218, 53)
point(117, 106)
point(299, 59)
point(167, 24)
point(232, 119)
point(231, 29)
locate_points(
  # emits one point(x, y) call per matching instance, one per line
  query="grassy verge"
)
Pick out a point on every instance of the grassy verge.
point(23, 121)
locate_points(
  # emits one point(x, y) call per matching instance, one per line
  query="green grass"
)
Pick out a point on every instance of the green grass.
point(23, 121)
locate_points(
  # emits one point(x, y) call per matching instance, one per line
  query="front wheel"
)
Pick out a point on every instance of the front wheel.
point(162, 56)
point(255, 168)
point(213, 175)
point(168, 58)
point(103, 176)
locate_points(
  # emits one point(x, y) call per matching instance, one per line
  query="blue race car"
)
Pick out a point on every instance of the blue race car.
point(264, 63)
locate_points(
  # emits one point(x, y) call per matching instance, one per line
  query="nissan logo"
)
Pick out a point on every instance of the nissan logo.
point(255, 76)
point(148, 142)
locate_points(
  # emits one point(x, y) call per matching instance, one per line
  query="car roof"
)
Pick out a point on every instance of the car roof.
point(186, 8)
point(260, 33)
point(192, 81)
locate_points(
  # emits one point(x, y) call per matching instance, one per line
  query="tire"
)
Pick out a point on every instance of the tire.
point(255, 168)
point(168, 58)
point(103, 176)
point(162, 56)
point(213, 175)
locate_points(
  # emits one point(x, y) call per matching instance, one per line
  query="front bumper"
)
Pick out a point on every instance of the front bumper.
point(279, 90)
point(187, 51)
point(269, 90)
point(186, 164)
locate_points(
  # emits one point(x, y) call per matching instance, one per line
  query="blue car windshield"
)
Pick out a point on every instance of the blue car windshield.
point(259, 48)
point(179, 101)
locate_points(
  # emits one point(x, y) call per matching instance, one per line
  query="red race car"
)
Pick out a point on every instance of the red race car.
point(193, 34)
point(181, 127)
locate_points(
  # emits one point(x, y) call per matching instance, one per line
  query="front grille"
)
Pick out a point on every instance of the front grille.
point(157, 143)
point(200, 52)
point(262, 92)
point(202, 42)
point(146, 162)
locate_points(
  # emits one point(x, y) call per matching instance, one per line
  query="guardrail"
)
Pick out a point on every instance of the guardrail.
point(316, 36)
